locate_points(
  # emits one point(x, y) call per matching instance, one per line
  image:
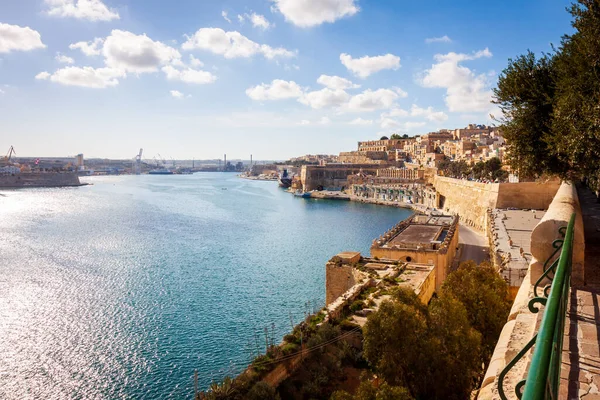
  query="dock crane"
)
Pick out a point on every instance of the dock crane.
point(138, 163)
point(11, 152)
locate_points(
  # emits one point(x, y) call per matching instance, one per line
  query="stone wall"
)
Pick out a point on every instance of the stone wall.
point(471, 200)
point(331, 176)
point(339, 278)
point(565, 203)
point(35, 179)
point(522, 324)
point(534, 195)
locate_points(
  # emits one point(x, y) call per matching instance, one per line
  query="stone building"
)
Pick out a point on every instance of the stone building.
point(425, 239)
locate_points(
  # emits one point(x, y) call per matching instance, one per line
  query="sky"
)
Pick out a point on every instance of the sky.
point(272, 78)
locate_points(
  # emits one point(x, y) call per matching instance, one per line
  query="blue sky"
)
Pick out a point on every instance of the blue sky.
point(281, 78)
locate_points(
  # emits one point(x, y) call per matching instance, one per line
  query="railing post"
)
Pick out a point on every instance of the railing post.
point(543, 377)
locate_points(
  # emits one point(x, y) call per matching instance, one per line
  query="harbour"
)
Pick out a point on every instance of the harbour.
point(130, 284)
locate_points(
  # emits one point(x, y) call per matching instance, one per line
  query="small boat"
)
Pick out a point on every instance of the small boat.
point(285, 181)
point(160, 171)
point(304, 195)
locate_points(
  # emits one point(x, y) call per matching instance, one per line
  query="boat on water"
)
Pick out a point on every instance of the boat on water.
point(160, 171)
point(300, 193)
point(285, 180)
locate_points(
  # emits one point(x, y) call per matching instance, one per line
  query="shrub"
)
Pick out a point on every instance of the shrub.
point(357, 305)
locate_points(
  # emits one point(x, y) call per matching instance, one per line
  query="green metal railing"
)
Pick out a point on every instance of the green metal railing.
point(543, 377)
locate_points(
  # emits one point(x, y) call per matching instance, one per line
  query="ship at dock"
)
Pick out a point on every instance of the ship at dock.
point(285, 180)
point(160, 171)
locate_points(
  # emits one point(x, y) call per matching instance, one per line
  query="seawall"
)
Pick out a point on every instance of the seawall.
point(42, 179)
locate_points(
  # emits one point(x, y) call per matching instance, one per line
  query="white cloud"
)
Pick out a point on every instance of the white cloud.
point(324, 121)
point(410, 125)
point(388, 123)
point(304, 122)
point(94, 10)
point(136, 53)
point(401, 93)
point(177, 94)
point(61, 58)
point(42, 76)
point(96, 78)
point(360, 121)
point(194, 62)
point(240, 18)
point(224, 15)
point(188, 75)
point(428, 113)
point(289, 67)
point(442, 39)
point(307, 13)
point(325, 98)
point(88, 48)
point(231, 44)
point(371, 100)
point(365, 66)
point(276, 90)
point(395, 113)
point(335, 82)
point(259, 21)
point(465, 91)
point(18, 38)
point(270, 52)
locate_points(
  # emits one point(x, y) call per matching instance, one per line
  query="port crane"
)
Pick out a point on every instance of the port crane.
point(11, 152)
point(138, 163)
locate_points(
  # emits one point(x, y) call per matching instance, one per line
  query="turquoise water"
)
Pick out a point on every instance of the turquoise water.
point(122, 289)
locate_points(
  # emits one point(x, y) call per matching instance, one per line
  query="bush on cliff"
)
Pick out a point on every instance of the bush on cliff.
point(367, 391)
point(484, 294)
point(433, 351)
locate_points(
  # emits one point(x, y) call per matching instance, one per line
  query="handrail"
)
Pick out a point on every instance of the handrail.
point(543, 377)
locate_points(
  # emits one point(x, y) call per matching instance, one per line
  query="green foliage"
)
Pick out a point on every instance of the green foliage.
point(289, 348)
point(263, 391)
point(454, 169)
point(366, 391)
point(347, 325)
point(384, 138)
point(357, 305)
point(484, 294)
point(432, 350)
point(221, 391)
point(551, 103)
point(292, 338)
point(525, 94)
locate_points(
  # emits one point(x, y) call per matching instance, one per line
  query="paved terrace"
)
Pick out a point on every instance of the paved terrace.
point(580, 377)
point(513, 239)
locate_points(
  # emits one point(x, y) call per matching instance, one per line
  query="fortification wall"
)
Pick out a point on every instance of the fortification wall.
point(522, 324)
point(39, 180)
point(532, 195)
point(339, 279)
point(470, 200)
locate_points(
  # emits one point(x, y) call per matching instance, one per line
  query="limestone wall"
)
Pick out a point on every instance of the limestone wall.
point(339, 279)
point(35, 179)
point(522, 324)
point(533, 195)
point(471, 200)
point(563, 205)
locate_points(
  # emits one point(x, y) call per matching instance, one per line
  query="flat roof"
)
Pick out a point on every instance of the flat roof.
point(417, 234)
